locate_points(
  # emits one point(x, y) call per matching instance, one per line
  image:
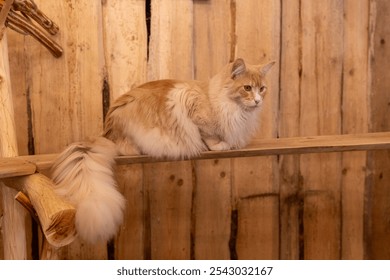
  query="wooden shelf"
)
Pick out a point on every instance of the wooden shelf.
point(26, 165)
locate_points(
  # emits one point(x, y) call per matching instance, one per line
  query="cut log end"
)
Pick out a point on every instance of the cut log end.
point(61, 231)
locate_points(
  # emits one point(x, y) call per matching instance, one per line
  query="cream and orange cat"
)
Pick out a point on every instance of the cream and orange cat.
point(166, 118)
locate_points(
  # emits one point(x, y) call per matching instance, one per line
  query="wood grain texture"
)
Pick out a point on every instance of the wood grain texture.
point(15, 167)
point(169, 186)
point(66, 93)
point(130, 241)
point(56, 216)
point(13, 218)
point(171, 40)
point(377, 239)
point(212, 194)
point(169, 194)
point(291, 200)
point(320, 89)
point(125, 48)
point(354, 120)
point(125, 44)
point(258, 33)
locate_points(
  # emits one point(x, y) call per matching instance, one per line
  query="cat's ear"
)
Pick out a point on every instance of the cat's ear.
point(265, 68)
point(238, 68)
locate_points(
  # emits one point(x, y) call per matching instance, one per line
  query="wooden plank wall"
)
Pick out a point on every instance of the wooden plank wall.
point(331, 77)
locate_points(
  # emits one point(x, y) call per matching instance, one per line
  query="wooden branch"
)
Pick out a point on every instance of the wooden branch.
point(26, 203)
point(23, 22)
point(12, 167)
point(3, 16)
point(57, 217)
point(20, 24)
point(22, 165)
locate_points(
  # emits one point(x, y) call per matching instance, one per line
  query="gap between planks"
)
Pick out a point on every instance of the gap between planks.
point(26, 165)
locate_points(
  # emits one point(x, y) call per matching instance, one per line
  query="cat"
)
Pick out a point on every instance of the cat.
point(166, 119)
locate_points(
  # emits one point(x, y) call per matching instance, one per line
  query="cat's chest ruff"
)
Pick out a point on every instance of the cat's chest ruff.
point(237, 126)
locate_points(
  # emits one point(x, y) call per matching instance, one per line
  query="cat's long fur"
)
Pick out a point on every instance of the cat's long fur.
point(166, 118)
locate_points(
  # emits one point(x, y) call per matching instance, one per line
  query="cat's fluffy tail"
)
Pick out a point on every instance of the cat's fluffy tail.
point(83, 175)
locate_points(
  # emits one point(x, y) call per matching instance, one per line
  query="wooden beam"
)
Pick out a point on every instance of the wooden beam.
point(293, 145)
point(261, 147)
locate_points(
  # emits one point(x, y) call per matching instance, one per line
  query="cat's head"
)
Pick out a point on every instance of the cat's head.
point(247, 83)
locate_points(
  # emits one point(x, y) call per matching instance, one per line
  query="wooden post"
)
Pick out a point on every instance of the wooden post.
point(13, 223)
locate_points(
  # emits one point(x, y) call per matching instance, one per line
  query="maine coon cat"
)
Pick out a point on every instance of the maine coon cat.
point(166, 118)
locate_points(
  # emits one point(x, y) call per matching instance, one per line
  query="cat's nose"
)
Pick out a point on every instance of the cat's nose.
point(257, 101)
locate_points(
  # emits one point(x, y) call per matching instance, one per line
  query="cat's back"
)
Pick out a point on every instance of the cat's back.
point(156, 116)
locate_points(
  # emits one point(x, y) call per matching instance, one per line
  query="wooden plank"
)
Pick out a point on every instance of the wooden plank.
point(21, 92)
point(258, 36)
point(321, 114)
point(212, 195)
point(213, 208)
point(169, 193)
point(258, 147)
point(170, 47)
point(125, 44)
point(355, 120)
point(13, 218)
point(170, 185)
point(65, 93)
point(129, 243)
point(377, 227)
point(125, 47)
point(291, 200)
point(258, 227)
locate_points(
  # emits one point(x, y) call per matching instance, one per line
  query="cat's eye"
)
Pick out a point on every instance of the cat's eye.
point(247, 88)
point(263, 88)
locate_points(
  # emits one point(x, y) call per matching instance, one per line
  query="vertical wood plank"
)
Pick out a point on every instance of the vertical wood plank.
point(169, 185)
point(213, 209)
point(259, 225)
point(21, 94)
point(13, 218)
point(129, 243)
point(321, 114)
point(125, 48)
point(125, 44)
point(355, 120)
point(289, 119)
point(258, 36)
point(377, 226)
point(66, 93)
point(170, 47)
point(212, 199)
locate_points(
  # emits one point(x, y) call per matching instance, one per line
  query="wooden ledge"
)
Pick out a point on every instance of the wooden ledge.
point(26, 165)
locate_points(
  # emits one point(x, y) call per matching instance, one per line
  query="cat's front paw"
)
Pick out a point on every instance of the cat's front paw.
point(221, 146)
